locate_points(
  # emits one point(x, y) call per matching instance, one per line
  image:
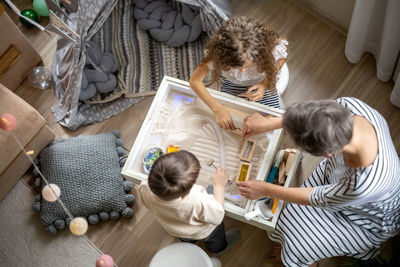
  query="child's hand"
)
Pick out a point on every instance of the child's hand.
point(224, 119)
point(220, 178)
point(255, 92)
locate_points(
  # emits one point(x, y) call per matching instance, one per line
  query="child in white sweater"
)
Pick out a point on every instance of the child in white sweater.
point(183, 208)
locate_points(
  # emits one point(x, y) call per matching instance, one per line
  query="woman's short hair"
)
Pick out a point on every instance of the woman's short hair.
point(173, 175)
point(319, 127)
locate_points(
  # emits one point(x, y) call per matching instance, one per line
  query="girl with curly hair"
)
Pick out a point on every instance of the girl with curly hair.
point(244, 57)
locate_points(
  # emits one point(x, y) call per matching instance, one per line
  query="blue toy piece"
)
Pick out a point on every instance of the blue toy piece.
point(272, 174)
point(271, 177)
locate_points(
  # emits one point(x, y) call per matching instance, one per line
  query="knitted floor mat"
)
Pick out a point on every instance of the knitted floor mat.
point(143, 62)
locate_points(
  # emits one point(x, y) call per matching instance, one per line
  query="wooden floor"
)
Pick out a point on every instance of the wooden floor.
point(318, 69)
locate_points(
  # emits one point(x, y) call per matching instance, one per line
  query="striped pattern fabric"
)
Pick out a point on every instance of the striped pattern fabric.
point(143, 60)
point(236, 89)
point(354, 210)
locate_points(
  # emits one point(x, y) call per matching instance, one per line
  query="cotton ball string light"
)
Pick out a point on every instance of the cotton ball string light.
point(51, 192)
point(78, 226)
point(105, 261)
point(7, 122)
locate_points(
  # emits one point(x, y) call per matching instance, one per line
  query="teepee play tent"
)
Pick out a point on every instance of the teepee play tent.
point(145, 50)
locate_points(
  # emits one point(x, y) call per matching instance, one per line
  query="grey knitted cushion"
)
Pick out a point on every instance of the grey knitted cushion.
point(98, 76)
point(166, 23)
point(87, 169)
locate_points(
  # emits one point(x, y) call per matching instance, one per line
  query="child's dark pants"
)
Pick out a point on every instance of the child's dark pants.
point(215, 242)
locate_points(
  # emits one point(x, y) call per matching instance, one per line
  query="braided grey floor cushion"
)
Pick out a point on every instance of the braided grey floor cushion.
point(87, 169)
point(166, 23)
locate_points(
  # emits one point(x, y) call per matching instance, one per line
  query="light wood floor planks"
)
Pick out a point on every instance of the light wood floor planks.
point(318, 69)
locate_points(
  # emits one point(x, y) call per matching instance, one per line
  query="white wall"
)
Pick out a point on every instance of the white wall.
point(339, 10)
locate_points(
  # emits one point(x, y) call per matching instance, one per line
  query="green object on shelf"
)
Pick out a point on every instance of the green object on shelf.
point(41, 8)
point(29, 13)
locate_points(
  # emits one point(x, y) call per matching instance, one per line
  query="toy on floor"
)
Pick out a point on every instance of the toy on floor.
point(167, 24)
point(98, 73)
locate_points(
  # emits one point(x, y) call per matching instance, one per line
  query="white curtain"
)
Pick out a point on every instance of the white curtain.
point(375, 28)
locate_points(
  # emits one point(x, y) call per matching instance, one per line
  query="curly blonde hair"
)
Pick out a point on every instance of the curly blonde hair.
point(239, 40)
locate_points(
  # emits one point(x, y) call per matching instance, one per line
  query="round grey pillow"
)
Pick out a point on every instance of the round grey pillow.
point(166, 24)
point(179, 37)
point(88, 92)
point(107, 86)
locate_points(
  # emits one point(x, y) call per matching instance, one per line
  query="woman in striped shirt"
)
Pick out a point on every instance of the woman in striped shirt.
point(351, 202)
point(244, 57)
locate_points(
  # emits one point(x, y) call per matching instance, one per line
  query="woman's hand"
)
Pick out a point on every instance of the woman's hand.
point(256, 123)
point(255, 92)
point(253, 189)
point(253, 124)
point(224, 118)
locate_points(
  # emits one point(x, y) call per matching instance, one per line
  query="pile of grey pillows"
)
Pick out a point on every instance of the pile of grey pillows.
point(99, 72)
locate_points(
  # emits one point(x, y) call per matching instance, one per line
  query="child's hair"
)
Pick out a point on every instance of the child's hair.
point(173, 175)
point(241, 39)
